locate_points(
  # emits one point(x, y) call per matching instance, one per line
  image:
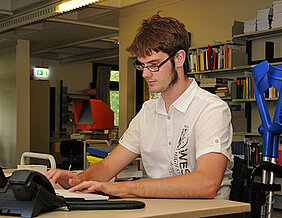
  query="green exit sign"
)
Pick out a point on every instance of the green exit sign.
point(41, 72)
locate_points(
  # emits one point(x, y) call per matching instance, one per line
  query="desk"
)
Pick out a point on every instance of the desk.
point(176, 208)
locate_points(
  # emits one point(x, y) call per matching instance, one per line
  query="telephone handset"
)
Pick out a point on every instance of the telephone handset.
point(27, 193)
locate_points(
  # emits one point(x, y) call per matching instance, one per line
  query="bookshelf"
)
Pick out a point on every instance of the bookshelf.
point(267, 37)
point(253, 100)
point(248, 104)
point(246, 134)
point(224, 70)
point(259, 34)
point(213, 58)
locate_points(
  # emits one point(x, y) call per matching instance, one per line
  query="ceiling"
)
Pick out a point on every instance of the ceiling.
point(88, 34)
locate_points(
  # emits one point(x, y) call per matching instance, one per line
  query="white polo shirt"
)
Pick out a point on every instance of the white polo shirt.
point(197, 123)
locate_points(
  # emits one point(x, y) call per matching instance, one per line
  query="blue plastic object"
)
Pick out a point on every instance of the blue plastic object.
point(265, 76)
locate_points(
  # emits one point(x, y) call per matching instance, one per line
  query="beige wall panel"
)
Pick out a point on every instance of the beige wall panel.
point(208, 21)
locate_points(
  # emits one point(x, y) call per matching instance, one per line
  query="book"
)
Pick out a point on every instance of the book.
point(277, 20)
point(244, 88)
point(92, 159)
point(221, 94)
point(222, 91)
point(100, 151)
point(218, 57)
point(191, 63)
point(202, 60)
point(280, 155)
point(233, 90)
point(213, 80)
point(250, 151)
point(277, 7)
point(250, 25)
point(209, 57)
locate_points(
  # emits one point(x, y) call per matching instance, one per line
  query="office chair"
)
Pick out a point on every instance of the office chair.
point(239, 183)
point(73, 150)
point(262, 195)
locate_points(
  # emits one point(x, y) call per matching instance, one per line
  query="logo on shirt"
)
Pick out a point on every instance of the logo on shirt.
point(179, 163)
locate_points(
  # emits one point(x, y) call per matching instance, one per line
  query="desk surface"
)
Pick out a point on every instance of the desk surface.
point(161, 208)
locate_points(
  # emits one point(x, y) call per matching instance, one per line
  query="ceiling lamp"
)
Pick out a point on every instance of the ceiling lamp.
point(75, 4)
point(42, 12)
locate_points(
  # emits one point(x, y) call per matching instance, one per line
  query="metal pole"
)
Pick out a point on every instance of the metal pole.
point(270, 197)
point(264, 180)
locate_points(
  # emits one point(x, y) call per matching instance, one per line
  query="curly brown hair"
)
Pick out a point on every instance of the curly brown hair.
point(157, 33)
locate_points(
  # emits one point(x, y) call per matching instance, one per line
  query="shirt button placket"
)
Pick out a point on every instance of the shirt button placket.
point(169, 132)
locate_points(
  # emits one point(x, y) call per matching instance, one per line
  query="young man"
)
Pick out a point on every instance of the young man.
point(184, 137)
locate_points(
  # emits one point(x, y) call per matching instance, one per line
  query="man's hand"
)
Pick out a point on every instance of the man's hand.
point(110, 188)
point(66, 179)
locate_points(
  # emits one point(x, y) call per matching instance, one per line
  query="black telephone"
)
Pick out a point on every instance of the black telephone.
point(27, 193)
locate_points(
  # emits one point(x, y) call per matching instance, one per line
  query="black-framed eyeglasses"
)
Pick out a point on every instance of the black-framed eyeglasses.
point(153, 68)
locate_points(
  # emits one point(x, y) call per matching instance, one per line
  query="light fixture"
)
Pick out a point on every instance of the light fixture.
point(42, 13)
point(74, 4)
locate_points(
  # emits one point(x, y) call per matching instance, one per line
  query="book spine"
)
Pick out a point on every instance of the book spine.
point(280, 155)
point(238, 83)
point(252, 89)
point(226, 57)
point(209, 57)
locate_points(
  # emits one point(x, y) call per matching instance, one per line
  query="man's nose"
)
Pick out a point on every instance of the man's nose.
point(146, 73)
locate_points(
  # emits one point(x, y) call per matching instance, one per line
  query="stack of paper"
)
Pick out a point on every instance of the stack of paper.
point(264, 19)
point(277, 14)
point(250, 25)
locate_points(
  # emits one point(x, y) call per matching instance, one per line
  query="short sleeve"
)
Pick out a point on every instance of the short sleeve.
point(131, 137)
point(214, 130)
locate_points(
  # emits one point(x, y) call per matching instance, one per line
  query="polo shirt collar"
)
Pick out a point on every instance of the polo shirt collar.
point(184, 100)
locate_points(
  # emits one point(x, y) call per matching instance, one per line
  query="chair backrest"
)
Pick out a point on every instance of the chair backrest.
point(238, 190)
point(71, 149)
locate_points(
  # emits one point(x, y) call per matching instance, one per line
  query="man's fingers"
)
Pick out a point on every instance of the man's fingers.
point(50, 173)
point(107, 188)
point(74, 181)
point(64, 177)
point(81, 186)
point(95, 187)
point(55, 177)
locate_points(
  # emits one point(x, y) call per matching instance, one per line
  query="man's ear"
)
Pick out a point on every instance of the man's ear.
point(180, 58)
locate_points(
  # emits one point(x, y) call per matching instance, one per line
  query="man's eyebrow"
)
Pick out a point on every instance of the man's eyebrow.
point(152, 61)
